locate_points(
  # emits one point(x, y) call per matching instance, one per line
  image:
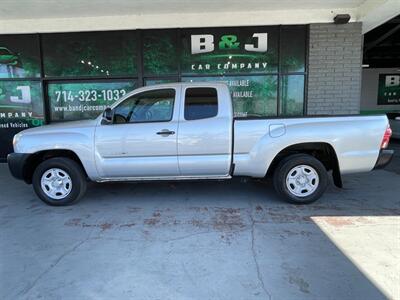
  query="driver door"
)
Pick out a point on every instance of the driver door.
point(141, 141)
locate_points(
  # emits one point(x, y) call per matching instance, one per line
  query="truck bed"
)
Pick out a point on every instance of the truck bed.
point(355, 139)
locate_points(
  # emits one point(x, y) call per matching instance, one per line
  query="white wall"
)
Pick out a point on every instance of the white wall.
point(369, 89)
point(30, 16)
point(170, 20)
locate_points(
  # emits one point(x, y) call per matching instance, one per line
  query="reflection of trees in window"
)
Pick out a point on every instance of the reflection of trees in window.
point(159, 54)
point(293, 48)
point(264, 100)
point(90, 54)
point(292, 95)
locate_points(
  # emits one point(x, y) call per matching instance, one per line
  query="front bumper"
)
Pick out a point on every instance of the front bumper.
point(17, 164)
point(384, 158)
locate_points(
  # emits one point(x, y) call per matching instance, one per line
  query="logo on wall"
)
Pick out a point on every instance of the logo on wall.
point(389, 89)
point(25, 95)
point(204, 43)
point(18, 108)
point(392, 80)
point(229, 52)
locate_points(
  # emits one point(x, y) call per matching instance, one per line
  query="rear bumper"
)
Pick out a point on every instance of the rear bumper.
point(17, 164)
point(384, 158)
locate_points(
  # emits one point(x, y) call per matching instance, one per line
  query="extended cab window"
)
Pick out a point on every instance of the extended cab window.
point(151, 106)
point(201, 103)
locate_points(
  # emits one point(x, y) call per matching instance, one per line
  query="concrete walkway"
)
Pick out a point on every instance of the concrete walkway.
point(218, 240)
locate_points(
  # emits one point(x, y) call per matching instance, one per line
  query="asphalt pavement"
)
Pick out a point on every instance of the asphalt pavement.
point(202, 240)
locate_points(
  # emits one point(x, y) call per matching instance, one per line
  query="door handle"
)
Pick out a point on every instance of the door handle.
point(165, 132)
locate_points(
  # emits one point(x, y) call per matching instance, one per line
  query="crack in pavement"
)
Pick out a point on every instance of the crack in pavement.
point(32, 285)
point(185, 236)
point(54, 264)
point(259, 276)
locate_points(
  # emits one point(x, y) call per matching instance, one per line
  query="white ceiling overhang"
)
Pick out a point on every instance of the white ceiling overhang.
point(27, 16)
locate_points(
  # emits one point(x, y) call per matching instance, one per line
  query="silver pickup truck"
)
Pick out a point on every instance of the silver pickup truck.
point(186, 131)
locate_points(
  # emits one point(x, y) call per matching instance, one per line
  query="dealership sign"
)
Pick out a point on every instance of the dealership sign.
point(230, 51)
point(203, 43)
point(389, 89)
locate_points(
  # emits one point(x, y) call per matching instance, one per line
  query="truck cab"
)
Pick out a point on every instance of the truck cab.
point(172, 131)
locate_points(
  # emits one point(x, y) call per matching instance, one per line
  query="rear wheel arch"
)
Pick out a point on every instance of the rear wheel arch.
point(322, 151)
point(38, 157)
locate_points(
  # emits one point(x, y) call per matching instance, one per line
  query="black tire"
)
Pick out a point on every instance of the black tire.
point(72, 169)
point(287, 165)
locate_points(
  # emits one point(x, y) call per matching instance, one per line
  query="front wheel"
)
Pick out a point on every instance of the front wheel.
point(300, 179)
point(59, 181)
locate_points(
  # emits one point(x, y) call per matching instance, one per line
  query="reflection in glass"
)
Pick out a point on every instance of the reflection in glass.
point(293, 48)
point(292, 95)
point(19, 56)
point(90, 54)
point(159, 81)
point(253, 96)
point(160, 53)
point(149, 106)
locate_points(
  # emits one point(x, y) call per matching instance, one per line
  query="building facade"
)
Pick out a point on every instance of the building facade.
point(272, 71)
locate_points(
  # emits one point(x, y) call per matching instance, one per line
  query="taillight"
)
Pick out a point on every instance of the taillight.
point(386, 137)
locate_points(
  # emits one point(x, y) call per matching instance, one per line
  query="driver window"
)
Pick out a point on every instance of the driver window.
point(151, 106)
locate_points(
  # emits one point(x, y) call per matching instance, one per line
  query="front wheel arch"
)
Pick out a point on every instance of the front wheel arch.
point(38, 157)
point(73, 179)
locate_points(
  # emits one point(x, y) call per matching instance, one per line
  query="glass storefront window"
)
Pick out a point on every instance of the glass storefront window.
point(230, 50)
point(21, 107)
point(159, 81)
point(102, 54)
point(84, 100)
point(19, 56)
point(160, 52)
point(292, 95)
point(21, 104)
point(252, 96)
point(84, 72)
point(293, 48)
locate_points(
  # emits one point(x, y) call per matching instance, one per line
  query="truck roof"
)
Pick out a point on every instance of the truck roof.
point(215, 84)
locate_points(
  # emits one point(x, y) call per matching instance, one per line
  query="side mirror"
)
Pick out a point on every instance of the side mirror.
point(108, 115)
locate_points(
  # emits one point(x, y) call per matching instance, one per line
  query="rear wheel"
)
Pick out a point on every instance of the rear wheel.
point(300, 179)
point(59, 181)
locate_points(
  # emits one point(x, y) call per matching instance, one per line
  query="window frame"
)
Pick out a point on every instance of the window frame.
point(142, 122)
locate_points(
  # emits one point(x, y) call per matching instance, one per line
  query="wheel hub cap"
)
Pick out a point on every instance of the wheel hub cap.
point(56, 183)
point(302, 180)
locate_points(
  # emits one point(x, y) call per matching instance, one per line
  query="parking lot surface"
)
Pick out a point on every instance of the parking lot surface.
point(202, 240)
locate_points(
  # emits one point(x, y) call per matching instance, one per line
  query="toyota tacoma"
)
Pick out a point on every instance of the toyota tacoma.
point(187, 131)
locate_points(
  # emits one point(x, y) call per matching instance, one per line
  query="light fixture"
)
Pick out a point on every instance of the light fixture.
point(341, 19)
